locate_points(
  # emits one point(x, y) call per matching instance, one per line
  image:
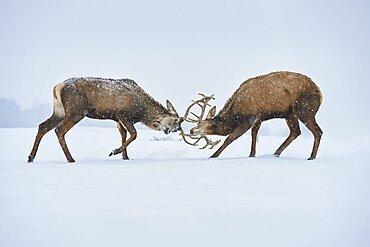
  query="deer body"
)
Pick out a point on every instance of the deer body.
point(121, 100)
point(288, 95)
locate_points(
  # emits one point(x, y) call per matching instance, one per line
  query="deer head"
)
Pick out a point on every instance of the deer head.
point(170, 122)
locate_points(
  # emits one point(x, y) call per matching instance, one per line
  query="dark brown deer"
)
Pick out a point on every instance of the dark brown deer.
point(286, 95)
point(120, 100)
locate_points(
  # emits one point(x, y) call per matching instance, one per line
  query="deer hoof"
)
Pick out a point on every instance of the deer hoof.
point(252, 155)
point(71, 161)
point(276, 155)
point(311, 158)
point(30, 159)
point(114, 152)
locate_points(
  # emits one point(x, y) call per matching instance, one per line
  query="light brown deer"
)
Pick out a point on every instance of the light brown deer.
point(121, 100)
point(288, 95)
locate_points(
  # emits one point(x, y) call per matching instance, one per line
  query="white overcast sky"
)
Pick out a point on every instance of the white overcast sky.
point(175, 49)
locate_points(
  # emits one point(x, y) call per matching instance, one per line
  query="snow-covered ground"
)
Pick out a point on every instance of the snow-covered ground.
point(171, 194)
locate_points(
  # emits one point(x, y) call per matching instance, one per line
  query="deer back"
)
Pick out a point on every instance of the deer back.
point(272, 93)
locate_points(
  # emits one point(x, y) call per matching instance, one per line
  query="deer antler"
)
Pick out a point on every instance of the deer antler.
point(202, 103)
point(197, 138)
point(193, 137)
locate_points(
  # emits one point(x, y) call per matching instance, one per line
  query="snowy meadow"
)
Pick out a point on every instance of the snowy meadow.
point(171, 194)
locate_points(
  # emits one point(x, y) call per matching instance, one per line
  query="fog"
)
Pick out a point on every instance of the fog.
point(176, 49)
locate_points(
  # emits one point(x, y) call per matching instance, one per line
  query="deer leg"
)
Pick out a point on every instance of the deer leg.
point(306, 109)
point(62, 129)
point(295, 131)
point(312, 125)
point(123, 133)
point(133, 134)
point(240, 130)
point(255, 129)
point(44, 128)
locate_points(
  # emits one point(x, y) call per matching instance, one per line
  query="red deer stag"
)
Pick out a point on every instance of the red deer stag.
point(286, 95)
point(121, 100)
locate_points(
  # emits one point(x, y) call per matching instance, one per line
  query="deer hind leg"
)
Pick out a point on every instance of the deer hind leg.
point(295, 131)
point(62, 129)
point(255, 130)
point(315, 129)
point(131, 129)
point(306, 108)
point(123, 133)
point(44, 128)
point(74, 104)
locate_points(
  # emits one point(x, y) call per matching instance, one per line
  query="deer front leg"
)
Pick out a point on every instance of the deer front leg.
point(239, 131)
point(255, 129)
point(133, 134)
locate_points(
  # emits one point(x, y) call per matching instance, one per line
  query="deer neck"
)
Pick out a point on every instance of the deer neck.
point(225, 124)
point(153, 112)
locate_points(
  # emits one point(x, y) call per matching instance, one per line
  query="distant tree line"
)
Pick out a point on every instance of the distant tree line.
point(11, 114)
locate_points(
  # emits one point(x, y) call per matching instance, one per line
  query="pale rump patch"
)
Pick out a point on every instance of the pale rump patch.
point(58, 108)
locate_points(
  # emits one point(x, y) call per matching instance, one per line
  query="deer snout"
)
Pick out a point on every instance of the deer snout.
point(195, 131)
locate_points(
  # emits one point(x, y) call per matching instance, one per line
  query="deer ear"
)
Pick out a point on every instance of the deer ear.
point(211, 113)
point(171, 109)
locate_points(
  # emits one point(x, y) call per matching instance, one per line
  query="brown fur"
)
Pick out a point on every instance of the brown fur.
point(120, 100)
point(288, 95)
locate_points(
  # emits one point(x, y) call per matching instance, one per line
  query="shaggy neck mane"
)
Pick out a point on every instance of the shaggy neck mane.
point(226, 109)
point(225, 121)
point(152, 109)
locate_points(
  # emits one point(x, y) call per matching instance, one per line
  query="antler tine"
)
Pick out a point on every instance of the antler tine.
point(183, 135)
point(190, 120)
point(195, 115)
point(202, 103)
point(205, 101)
point(197, 139)
point(205, 96)
point(209, 142)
